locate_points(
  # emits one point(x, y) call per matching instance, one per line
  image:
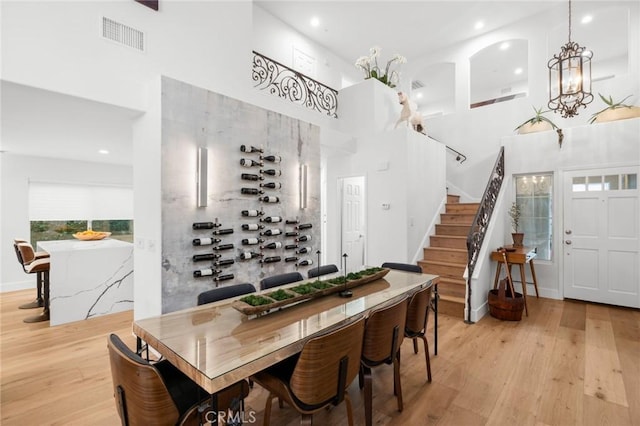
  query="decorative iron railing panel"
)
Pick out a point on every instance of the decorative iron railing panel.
point(481, 221)
point(289, 84)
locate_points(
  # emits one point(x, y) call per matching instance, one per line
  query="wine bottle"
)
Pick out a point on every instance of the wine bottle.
point(251, 226)
point(292, 221)
point(249, 148)
point(271, 259)
point(272, 246)
point(249, 176)
point(223, 231)
point(271, 158)
point(246, 255)
point(252, 213)
point(224, 277)
point(205, 225)
point(271, 185)
point(252, 241)
point(291, 259)
point(207, 272)
point(291, 247)
point(305, 262)
point(205, 241)
point(303, 250)
point(271, 232)
point(247, 162)
point(304, 226)
point(271, 219)
point(224, 262)
point(291, 234)
point(251, 191)
point(206, 256)
point(304, 238)
point(269, 199)
point(271, 172)
point(223, 247)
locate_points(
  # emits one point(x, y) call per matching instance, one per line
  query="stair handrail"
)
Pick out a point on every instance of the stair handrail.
point(481, 221)
point(459, 156)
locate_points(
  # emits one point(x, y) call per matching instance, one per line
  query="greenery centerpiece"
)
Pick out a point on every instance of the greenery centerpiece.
point(537, 123)
point(387, 75)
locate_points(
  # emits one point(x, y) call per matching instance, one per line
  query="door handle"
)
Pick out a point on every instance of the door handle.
point(568, 242)
point(568, 232)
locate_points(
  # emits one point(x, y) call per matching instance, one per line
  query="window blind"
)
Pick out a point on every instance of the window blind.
point(62, 201)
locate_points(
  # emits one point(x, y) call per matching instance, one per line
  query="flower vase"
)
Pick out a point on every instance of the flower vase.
point(518, 237)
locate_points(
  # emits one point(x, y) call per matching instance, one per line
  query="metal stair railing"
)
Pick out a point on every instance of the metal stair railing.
point(481, 221)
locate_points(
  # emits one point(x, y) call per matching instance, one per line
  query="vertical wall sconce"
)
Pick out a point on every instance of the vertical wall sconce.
point(303, 186)
point(201, 186)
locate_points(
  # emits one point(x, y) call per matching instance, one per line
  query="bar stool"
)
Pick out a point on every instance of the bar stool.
point(38, 302)
point(40, 267)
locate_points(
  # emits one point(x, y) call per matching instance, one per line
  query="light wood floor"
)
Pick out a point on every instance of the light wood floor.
point(569, 363)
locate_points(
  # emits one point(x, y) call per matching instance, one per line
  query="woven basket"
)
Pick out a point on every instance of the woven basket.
point(503, 305)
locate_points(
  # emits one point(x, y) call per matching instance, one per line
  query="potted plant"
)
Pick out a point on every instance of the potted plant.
point(537, 123)
point(515, 212)
point(615, 111)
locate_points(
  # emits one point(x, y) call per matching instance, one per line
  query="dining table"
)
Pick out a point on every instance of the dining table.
point(216, 345)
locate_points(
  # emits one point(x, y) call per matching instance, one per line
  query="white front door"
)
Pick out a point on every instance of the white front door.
point(601, 236)
point(353, 235)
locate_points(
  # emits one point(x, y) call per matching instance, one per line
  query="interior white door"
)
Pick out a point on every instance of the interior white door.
point(353, 226)
point(601, 236)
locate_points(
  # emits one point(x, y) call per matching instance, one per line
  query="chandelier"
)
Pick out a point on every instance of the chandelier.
point(570, 78)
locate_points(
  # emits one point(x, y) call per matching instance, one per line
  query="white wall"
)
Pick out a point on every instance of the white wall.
point(17, 171)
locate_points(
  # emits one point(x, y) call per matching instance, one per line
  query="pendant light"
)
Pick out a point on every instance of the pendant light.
point(570, 78)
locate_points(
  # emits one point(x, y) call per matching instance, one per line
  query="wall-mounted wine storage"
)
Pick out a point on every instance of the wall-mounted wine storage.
point(254, 159)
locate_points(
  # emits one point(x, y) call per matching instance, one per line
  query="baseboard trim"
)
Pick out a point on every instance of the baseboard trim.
point(16, 285)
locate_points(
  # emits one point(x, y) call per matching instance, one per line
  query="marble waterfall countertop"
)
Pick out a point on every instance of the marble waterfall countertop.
point(89, 278)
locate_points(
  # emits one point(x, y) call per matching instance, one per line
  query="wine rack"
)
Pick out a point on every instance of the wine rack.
point(300, 243)
point(260, 183)
point(217, 268)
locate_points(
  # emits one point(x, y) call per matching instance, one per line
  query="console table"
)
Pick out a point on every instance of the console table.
point(517, 256)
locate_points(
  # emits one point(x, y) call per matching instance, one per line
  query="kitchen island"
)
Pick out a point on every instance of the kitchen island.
point(88, 278)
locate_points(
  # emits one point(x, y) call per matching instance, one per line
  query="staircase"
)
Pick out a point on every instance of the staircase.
point(447, 254)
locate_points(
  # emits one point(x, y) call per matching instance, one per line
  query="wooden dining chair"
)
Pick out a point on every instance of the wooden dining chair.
point(383, 335)
point(158, 393)
point(225, 292)
point(319, 376)
point(322, 270)
point(434, 296)
point(281, 279)
point(416, 326)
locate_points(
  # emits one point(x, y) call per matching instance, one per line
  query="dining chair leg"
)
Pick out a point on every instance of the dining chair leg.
point(361, 377)
point(368, 396)
point(415, 345)
point(427, 357)
point(347, 400)
point(267, 410)
point(396, 381)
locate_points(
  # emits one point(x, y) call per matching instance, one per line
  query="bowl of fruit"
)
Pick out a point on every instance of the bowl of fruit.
point(91, 235)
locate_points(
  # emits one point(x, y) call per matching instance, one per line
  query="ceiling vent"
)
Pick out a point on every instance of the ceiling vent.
point(416, 84)
point(122, 34)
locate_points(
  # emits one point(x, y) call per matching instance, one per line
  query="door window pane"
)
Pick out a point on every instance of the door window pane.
point(594, 183)
point(579, 184)
point(630, 181)
point(611, 182)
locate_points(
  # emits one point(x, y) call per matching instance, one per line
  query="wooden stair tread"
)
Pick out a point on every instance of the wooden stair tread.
point(453, 281)
point(438, 262)
point(453, 299)
point(454, 250)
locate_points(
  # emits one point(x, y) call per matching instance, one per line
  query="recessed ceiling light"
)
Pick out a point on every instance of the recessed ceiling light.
point(518, 71)
point(419, 95)
point(103, 151)
point(504, 46)
point(479, 25)
point(315, 21)
point(586, 19)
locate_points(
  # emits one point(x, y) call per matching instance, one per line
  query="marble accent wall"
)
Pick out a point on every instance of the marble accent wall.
point(193, 117)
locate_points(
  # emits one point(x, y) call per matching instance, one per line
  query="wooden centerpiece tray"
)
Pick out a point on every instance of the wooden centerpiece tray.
point(260, 303)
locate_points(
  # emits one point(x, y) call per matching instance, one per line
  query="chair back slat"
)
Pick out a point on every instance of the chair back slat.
point(322, 270)
point(379, 337)
point(26, 252)
point(281, 279)
point(408, 267)
point(418, 311)
point(316, 376)
point(225, 292)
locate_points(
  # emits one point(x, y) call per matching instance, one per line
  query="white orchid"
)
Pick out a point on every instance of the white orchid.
point(369, 64)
